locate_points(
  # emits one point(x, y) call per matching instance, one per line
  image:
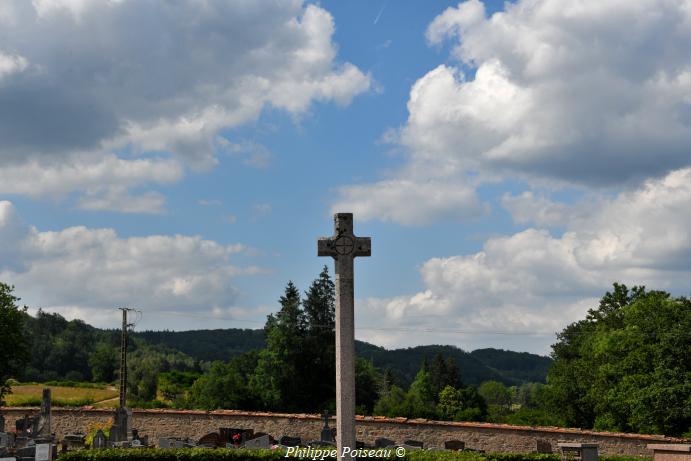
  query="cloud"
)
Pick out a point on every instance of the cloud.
point(408, 202)
point(84, 268)
point(557, 94)
point(548, 93)
point(536, 282)
point(97, 79)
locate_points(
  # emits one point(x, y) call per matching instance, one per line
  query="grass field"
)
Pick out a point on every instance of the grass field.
point(30, 395)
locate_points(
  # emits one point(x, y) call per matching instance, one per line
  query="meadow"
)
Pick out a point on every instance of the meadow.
point(29, 395)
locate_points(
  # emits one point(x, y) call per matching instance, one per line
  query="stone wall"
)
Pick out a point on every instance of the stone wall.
point(482, 436)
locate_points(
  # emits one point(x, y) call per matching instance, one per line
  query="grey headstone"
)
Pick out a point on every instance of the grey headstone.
point(28, 452)
point(454, 445)
point(43, 452)
point(383, 442)
point(100, 440)
point(260, 442)
point(7, 439)
point(11, 458)
point(582, 451)
point(164, 442)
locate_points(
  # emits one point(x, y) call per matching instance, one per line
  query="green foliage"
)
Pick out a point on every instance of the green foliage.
point(368, 384)
point(174, 385)
point(625, 367)
point(223, 454)
point(227, 385)
point(476, 368)
point(498, 398)
point(146, 362)
point(442, 373)
point(103, 362)
point(13, 345)
point(169, 454)
point(464, 404)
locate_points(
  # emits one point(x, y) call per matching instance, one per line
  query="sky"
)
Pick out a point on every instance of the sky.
point(510, 161)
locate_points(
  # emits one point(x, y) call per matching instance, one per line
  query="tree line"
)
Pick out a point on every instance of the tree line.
point(623, 368)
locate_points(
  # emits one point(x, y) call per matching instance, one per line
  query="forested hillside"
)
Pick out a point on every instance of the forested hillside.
point(623, 368)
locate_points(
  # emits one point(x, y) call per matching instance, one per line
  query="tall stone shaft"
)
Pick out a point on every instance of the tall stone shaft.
point(343, 246)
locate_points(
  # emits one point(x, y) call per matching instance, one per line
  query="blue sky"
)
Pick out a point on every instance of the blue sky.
point(510, 161)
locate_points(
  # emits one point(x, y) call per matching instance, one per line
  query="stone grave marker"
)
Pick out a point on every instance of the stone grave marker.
point(27, 453)
point(414, 443)
point(288, 441)
point(6, 440)
point(43, 452)
point(383, 442)
point(100, 440)
point(263, 441)
point(455, 445)
point(344, 246)
point(575, 451)
point(43, 423)
point(328, 434)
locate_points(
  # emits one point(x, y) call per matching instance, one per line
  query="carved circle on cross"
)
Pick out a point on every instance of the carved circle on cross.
point(344, 245)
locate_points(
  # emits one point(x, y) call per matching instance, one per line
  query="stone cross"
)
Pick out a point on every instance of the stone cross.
point(343, 246)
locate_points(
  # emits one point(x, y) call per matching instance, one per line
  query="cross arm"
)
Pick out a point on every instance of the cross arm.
point(363, 246)
point(325, 247)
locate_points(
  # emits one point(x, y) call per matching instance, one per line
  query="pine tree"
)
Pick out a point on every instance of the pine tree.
point(320, 343)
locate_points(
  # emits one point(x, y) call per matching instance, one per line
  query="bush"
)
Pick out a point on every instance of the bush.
point(222, 454)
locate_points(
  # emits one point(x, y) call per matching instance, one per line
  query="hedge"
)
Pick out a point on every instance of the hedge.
point(223, 454)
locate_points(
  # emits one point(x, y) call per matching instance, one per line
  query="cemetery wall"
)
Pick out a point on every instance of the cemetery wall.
point(483, 436)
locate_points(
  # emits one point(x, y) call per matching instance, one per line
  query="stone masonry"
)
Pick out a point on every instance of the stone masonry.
point(482, 436)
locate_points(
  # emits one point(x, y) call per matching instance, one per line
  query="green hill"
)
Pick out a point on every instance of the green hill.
point(63, 349)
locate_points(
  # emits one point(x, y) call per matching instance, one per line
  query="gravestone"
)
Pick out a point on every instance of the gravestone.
point(74, 441)
point(344, 246)
point(414, 443)
point(212, 439)
point(43, 423)
point(288, 441)
point(383, 442)
point(43, 452)
point(99, 440)
point(263, 441)
point(7, 439)
point(328, 434)
point(575, 451)
point(26, 454)
point(455, 445)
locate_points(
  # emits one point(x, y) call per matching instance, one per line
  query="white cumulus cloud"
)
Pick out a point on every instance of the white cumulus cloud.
point(552, 93)
point(536, 282)
point(79, 269)
point(86, 81)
